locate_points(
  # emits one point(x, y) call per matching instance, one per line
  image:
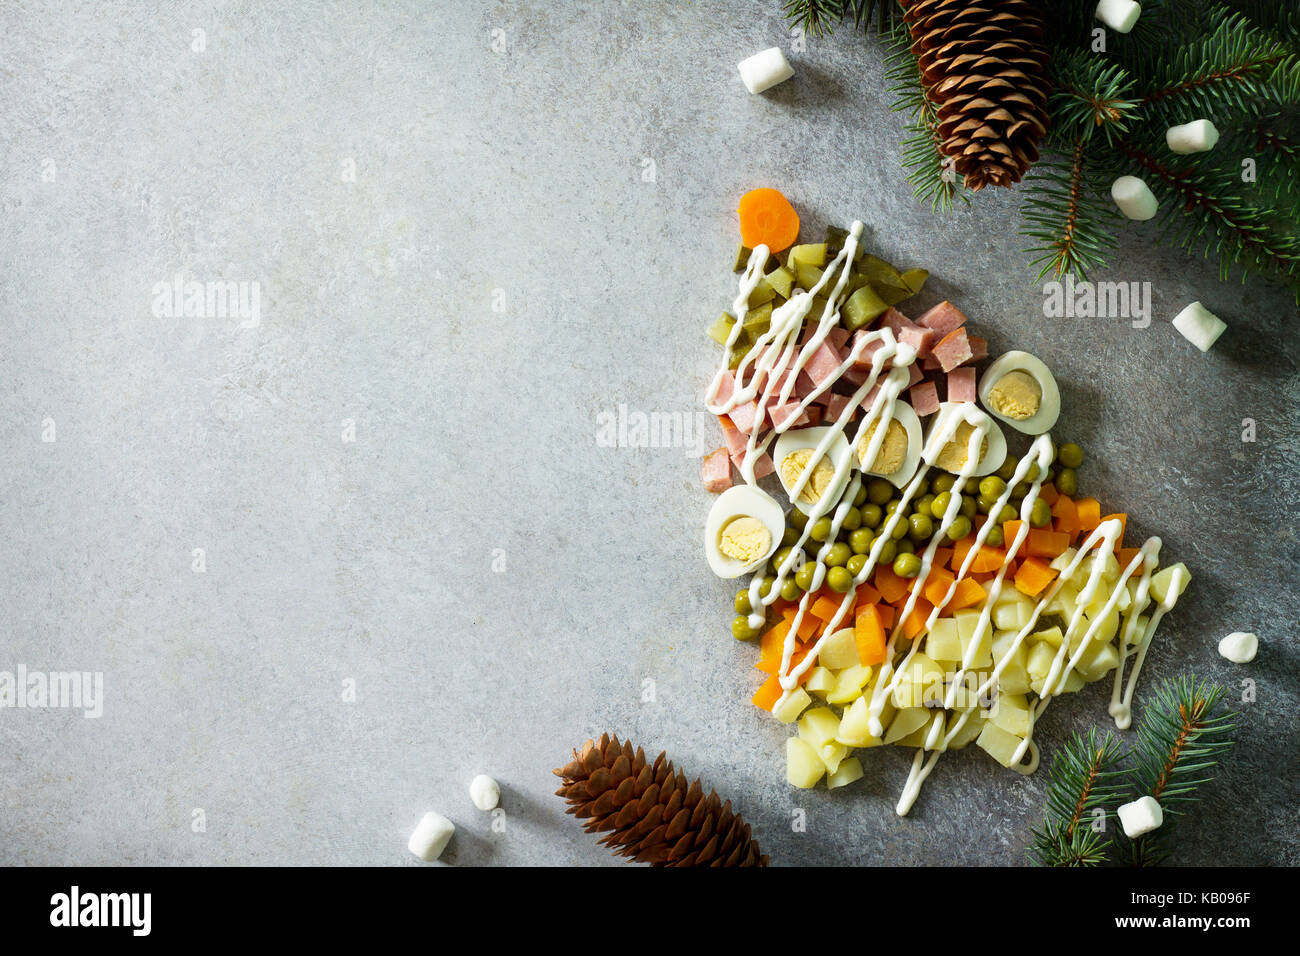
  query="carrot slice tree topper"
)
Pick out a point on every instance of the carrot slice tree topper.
point(767, 218)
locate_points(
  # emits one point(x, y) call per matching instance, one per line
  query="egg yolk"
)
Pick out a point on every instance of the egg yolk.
point(952, 457)
point(1016, 395)
point(744, 538)
point(823, 474)
point(893, 450)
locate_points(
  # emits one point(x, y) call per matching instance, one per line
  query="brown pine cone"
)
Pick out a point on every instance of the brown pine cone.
point(652, 814)
point(984, 67)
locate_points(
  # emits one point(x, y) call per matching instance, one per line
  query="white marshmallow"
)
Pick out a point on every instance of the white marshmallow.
point(1141, 816)
point(1199, 326)
point(1198, 136)
point(1134, 198)
point(762, 71)
point(1240, 647)
point(431, 836)
point(1119, 15)
point(485, 792)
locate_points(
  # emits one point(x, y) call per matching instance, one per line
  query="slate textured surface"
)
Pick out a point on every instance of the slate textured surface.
point(537, 231)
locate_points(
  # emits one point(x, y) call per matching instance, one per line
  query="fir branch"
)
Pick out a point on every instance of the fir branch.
point(820, 17)
point(1182, 736)
point(1092, 96)
point(1084, 778)
point(1072, 226)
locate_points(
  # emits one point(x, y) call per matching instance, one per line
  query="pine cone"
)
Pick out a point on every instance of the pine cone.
point(983, 64)
point(653, 815)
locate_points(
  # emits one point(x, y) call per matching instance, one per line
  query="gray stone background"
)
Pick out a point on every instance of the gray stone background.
point(371, 561)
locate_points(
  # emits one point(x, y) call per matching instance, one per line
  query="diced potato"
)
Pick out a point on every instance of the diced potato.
point(1062, 561)
point(1109, 566)
point(966, 693)
point(849, 683)
point(969, 730)
point(1011, 713)
point(1014, 679)
point(1107, 627)
point(803, 767)
point(1051, 635)
point(1065, 601)
point(839, 651)
point(998, 743)
point(943, 643)
point(920, 683)
point(1014, 614)
point(820, 682)
point(976, 642)
point(906, 721)
point(831, 755)
point(818, 725)
point(1097, 661)
point(1163, 588)
point(921, 736)
point(849, 770)
point(1040, 660)
point(855, 725)
point(795, 703)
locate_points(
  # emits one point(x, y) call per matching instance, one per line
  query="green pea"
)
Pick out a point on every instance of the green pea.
point(871, 515)
point(860, 541)
point(968, 506)
point(899, 531)
point(922, 486)
point(1067, 482)
point(887, 551)
point(839, 555)
point(1050, 476)
point(905, 546)
point(907, 565)
point(995, 538)
point(779, 558)
point(852, 519)
point(991, 486)
point(1019, 490)
point(943, 482)
point(765, 588)
point(1007, 513)
point(923, 504)
point(856, 564)
point(790, 589)
point(879, 491)
point(790, 538)
point(860, 498)
point(804, 576)
point(920, 527)
point(1008, 469)
point(892, 506)
point(741, 630)
point(939, 507)
point(1040, 514)
point(1070, 455)
point(821, 529)
point(796, 519)
point(742, 602)
point(985, 504)
point(1032, 473)
point(959, 528)
point(839, 580)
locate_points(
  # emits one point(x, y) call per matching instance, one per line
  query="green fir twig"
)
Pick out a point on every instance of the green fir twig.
point(1084, 786)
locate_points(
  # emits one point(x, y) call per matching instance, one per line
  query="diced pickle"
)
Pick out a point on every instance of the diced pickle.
point(763, 293)
point(810, 254)
point(835, 237)
point(743, 252)
point(782, 280)
point(808, 275)
point(914, 279)
point(891, 295)
point(720, 329)
point(862, 308)
point(757, 321)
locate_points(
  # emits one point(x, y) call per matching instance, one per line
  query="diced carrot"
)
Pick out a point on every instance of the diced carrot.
point(1010, 530)
point(1047, 544)
point(867, 595)
point(869, 632)
point(826, 606)
point(942, 557)
point(770, 647)
point(983, 577)
point(767, 695)
point(936, 586)
point(1067, 517)
point(969, 593)
point(808, 625)
point(960, 550)
point(988, 560)
point(914, 623)
point(1089, 511)
point(1033, 576)
point(1123, 526)
point(1125, 556)
point(887, 615)
point(889, 584)
point(1049, 493)
point(772, 664)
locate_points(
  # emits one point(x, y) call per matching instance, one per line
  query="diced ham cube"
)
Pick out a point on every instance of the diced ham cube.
point(914, 375)
point(979, 348)
point(733, 436)
point(924, 398)
point(763, 467)
point(823, 364)
point(856, 376)
point(835, 407)
point(870, 398)
point(838, 337)
point(961, 384)
point(747, 417)
point(716, 471)
point(919, 338)
point(952, 350)
point(864, 358)
point(813, 415)
point(895, 321)
point(726, 388)
point(789, 412)
point(944, 318)
point(930, 363)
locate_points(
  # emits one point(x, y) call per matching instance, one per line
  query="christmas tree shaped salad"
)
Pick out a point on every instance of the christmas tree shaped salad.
point(911, 581)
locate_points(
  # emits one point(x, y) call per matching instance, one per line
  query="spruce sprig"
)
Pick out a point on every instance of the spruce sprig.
point(1084, 779)
point(820, 17)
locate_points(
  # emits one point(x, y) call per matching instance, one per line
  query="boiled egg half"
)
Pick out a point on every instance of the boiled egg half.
point(793, 456)
point(743, 529)
point(899, 452)
point(1021, 391)
point(960, 420)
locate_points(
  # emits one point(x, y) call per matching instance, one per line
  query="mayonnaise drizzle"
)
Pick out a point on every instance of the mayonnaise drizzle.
point(775, 368)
